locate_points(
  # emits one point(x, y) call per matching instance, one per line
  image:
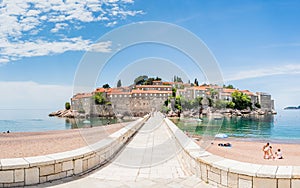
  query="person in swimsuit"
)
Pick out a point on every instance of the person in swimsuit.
point(266, 150)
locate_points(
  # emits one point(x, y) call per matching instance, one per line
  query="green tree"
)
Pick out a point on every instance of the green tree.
point(140, 80)
point(210, 102)
point(67, 106)
point(219, 104)
point(119, 84)
point(230, 104)
point(213, 93)
point(99, 98)
point(174, 90)
point(106, 86)
point(167, 102)
point(165, 109)
point(242, 101)
point(177, 79)
point(149, 81)
point(178, 103)
point(257, 105)
point(196, 83)
point(228, 87)
point(157, 79)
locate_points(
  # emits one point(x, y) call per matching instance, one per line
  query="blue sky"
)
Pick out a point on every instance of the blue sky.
point(256, 44)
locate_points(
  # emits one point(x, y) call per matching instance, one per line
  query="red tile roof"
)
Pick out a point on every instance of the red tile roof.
point(82, 95)
point(150, 91)
point(153, 86)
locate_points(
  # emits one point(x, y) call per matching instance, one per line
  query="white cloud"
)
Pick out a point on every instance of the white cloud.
point(261, 72)
point(59, 26)
point(34, 95)
point(20, 19)
point(40, 48)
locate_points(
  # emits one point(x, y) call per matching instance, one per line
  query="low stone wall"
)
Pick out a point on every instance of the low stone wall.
point(222, 172)
point(40, 169)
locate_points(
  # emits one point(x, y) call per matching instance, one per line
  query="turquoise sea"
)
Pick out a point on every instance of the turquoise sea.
point(285, 126)
point(29, 120)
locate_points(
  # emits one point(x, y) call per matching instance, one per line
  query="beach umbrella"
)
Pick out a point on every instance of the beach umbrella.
point(221, 135)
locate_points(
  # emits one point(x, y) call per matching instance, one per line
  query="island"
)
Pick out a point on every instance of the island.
point(292, 108)
point(174, 99)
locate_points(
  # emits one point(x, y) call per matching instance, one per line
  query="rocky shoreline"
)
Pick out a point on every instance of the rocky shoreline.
point(220, 113)
point(189, 113)
point(75, 114)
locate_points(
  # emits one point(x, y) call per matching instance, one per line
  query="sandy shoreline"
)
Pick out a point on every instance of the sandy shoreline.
point(251, 151)
point(25, 144)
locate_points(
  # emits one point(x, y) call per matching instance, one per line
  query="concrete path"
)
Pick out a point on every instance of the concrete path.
point(148, 160)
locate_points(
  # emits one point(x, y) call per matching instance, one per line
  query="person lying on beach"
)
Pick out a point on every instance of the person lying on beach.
point(278, 154)
point(225, 145)
point(266, 150)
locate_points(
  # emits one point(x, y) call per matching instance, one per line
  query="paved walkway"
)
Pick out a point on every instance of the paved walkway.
point(149, 160)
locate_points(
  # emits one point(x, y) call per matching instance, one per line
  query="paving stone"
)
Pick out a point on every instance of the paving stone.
point(232, 180)
point(245, 183)
point(267, 171)
point(284, 172)
point(283, 183)
point(295, 183)
point(7, 176)
point(46, 170)
point(296, 172)
point(19, 175)
point(224, 178)
point(264, 182)
point(32, 176)
point(13, 163)
point(68, 165)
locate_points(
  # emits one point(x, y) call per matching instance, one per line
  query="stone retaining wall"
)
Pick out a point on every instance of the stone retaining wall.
point(222, 172)
point(40, 169)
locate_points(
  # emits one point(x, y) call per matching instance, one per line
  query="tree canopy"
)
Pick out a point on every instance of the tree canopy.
point(228, 86)
point(67, 106)
point(119, 84)
point(196, 83)
point(106, 86)
point(177, 79)
point(145, 80)
point(99, 98)
point(241, 101)
point(140, 80)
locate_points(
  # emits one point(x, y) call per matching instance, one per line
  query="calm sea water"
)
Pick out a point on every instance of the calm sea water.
point(283, 126)
point(37, 120)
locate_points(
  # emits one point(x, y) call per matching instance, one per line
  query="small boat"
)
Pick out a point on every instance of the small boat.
point(221, 135)
point(199, 120)
point(86, 122)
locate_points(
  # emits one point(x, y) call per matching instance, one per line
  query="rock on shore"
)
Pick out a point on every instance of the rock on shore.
point(64, 113)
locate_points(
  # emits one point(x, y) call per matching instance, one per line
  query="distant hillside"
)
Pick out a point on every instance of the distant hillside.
point(292, 108)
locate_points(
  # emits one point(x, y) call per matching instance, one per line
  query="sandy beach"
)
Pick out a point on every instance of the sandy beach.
point(251, 151)
point(26, 144)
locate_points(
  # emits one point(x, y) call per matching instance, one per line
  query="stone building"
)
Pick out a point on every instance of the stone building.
point(124, 100)
point(265, 101)
point(82, 102)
